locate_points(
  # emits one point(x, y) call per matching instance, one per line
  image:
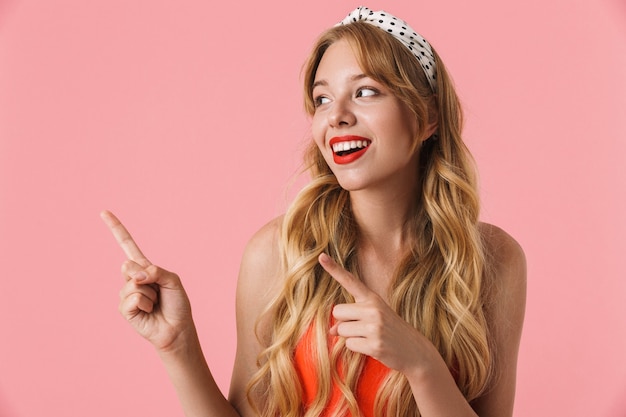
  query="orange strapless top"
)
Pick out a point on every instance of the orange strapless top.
point(371, 378)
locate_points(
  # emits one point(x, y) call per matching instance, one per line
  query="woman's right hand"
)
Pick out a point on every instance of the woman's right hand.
point(152, 300)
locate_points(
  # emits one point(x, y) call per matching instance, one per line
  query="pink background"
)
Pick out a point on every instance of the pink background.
point(185, 119)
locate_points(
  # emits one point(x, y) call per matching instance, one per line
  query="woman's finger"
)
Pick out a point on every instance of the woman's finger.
point(356, 288)
point(151, 274)
point(135, 304)
point(131, 269)
point(360, 345)
point(159, 276)
point(124, 239)
point(352, 329)
point(144, 289)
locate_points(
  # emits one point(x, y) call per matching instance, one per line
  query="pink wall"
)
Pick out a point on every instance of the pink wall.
point(185, 119)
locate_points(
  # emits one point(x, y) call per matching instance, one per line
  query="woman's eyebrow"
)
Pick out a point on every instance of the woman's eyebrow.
point(323, 83)
point(358, 77)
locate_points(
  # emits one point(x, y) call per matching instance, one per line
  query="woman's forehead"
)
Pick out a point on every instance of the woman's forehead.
point(339, 59)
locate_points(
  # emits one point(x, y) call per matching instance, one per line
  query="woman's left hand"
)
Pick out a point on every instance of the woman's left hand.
point(372, 328)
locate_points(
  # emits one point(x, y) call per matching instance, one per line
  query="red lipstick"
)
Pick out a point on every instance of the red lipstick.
point(347, 149)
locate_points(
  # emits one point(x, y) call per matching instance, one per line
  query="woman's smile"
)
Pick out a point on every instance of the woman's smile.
point(347, 149)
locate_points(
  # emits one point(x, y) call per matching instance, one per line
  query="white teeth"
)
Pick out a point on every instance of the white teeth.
point(353, 144)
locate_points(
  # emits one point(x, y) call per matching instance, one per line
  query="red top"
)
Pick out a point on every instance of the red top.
point(370, 380)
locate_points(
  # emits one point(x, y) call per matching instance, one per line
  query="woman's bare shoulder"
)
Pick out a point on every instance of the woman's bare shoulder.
point(258, 284)
point(260, 264)
point(504, 254)
point(505, 308)
point(506, 277)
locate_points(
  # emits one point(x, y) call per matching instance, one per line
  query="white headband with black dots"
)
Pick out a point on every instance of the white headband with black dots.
point(402, 31)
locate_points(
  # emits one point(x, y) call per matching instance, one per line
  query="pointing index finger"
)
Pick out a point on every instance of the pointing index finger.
point(124, 239)
point(356, 288)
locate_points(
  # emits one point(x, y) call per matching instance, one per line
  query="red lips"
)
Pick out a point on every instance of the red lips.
point(347, 149)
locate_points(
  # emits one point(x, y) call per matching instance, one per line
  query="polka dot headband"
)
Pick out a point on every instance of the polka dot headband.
point(400, 30)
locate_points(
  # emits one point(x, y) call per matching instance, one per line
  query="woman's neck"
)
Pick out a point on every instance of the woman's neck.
point(381, 218)
point(383, 239)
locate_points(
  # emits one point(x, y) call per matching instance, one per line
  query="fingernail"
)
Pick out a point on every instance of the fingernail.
point(139, 276)
point(324, 258)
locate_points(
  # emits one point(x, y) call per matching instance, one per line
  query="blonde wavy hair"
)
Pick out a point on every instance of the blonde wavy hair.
point(438, 287)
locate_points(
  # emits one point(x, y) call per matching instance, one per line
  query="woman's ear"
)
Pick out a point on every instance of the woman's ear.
point(430, 130)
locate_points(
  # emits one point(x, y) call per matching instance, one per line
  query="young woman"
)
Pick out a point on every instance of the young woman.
point(379, 292)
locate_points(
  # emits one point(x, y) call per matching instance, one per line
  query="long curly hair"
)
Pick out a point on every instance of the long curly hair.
point(438, 287)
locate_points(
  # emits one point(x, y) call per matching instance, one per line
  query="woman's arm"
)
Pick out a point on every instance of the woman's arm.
point(505, 314)
point(197, 391)
point(259, 282)
point(154, 302)
point(435, 389)
point(372, 328)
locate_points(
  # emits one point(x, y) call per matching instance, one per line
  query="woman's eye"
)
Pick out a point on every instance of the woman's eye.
point(366, 92)
point(321, 100)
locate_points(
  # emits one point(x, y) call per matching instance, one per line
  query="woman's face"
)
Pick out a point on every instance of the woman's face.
point(365, 133)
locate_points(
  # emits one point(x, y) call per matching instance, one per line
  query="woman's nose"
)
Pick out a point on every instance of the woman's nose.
point(341, 114)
